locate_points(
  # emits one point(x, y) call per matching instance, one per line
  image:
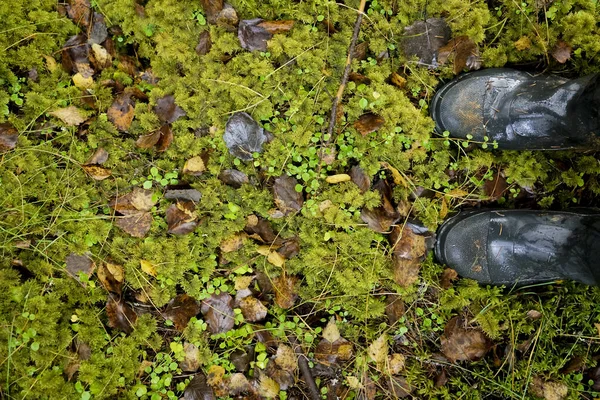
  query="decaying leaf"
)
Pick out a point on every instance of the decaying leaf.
point(71, 115)
point(465, 52)
point(204, 44)
point(463, 343)
point(360, 178)
point(233, 243)
point(194, 166)
point(212, 8)
point(74, 55)
point(99, 157)
point(333, 348)
point(167, 111)
point(360, 51)
point(97, 32)
point(496, 187)
point(198, 389)
point(338, 178)
point(166, 138)
point(77, 264)
point(368, 123)
point(181, 218)
point(101, 58)
point(408, 251)
point(244, 136)
point(120, 315)
point(148, 141)
point(182, 192)
point(395, 363)
point(191, 362)
point(268, 387)
point(8, 137)
point(83, 81)
point(378, 350)
point(358, 78)
point(561, 51)
point(548, 390)
point(398, 80)
point(381, 218)
point(260, 229)
point(233, 177)
point(218, 312)
point(97, 172)
point(275, 27)
point(424, 38)
point(80, 12)
point(285, 290)
point(399, 387)
point(286, 358)
point(448, 276)
point(287, 199)
point(122, 111)
point(394, 308)
point(227, 18)
point(272, 256)
point(252, 309)
point(252, 36)
point(111, 276)
point(136, 225)
point(148, 267)
point(238, 384)
point(180, 310)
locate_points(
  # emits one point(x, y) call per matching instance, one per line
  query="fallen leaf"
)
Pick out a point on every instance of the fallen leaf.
point(233, 243)
point(396, 175)
point(99, 157)
point(381, 218)
point(261, 230)
point(496, 187)
point(71, 115)
point(535, 314)
point(182, 193)
point(272, 256)
point(8, 137)
point(167, 111)
point(204, 44)
point(290, 248)
point(275, 27)
point(227, 18)
point(448, 276)
point(378, 350)
point(75, 55)
point(287, 199)
point(268, 387)
point(233, 177)
point(98, 32)
point(360, 178)
point(338, 178)
point(408, 251)
point(463, 343)
point(194, 166)
point(331, 333)
point(101, 59)
point(180, 310)
point(398, 80)
point(399, 387)
point(181, 218)
point(284, 378)
point(77, 264)
point(148, 141)
point(215, 378)
point(242, 282)
point(368, 123)
point(148, 267)
point(166, 138)
point(562, 51)
point(548, 390)
point(524, 43)
point(136, 225)
point(83, 81)
point(191, 361)
point(465, 52)
point(120, 315)
point(122, 111)
point(111, 276)
point(358, 78)
point(395, 363)
point(360, 51)
point(97, 172)
point(394, 308)
point(285, 290)
point(198, 389)
point(243, 136)
point(333, 348)
point(80, 12)
point(240, 360)
point(218, 312)
point(424, 38)
point(238, 384)
point(252, 309)
point(252, 36)
point(212, 8)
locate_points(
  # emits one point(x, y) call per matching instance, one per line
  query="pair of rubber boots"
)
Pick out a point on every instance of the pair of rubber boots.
point(521, 112)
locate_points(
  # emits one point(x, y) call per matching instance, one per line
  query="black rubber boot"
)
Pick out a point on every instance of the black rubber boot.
point(519, 247)
point(520, 111)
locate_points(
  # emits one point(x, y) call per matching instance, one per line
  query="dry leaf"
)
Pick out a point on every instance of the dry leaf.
point(191, 361)
point(233, 243)
point(381, 218)
point(8, 137)
point(285, 290)
point(496, 187)
point(408, 251)
point(244, 136)
point(287, 199)
point(97, 172)
point(548, 390)
point(233, 177)
point(148, 141)
point(122, 111)
point(331, 333)
point(462, 343)
point(285, 358)
point(465, 52)
point(198, 389)
point(180, 310)
point(182, 193)
point(71, 115)
point(120, 315)
point(218, 312)
point(275, 27)
point(181, 218)
point(398, 80)
point(448, 276)
point(394, 308)
point(243, 282)
point(395, 363)
point(204, 44)
point(424, 38)
point(83, 81)
point(368, 123)
point(148, 267)
point(212, 8)
point(333, 348)
point(100, 57)
point(268, 388)
point(360, 178)
point(562, 51)
point(252, 309)
point(111, 276)
point(77, 264)
point(238, 384)
point(272, 256)
point(535, 314)
point(378, 350)
point(80, 12)
point(396, 175)
point(338, 178)
point(136, 225)
point(194, 166)
point(252, 36)
point(358, 78)
point(167, 111)
point(99, 157)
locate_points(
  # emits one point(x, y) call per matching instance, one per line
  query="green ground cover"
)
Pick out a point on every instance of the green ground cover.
point(115, 285)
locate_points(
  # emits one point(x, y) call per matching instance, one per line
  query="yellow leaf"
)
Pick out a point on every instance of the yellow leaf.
point(96, 172)
point(396, 175)
point(444, 208)
point(71, 115)
point(378, 350)
point(457, 193)
point(148, 267)
point(82, 82)
point(272, 256)
point(194, 166)
point(338, 178)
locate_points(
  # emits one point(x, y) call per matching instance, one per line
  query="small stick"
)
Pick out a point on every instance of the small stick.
point(305, 369)
point(340, 92)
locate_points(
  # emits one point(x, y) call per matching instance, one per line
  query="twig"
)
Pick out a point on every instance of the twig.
point(340, 92)
point(305, 369)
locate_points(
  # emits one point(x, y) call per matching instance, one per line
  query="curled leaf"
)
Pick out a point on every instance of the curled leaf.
point(465, 52)
point(181, 218)
point(463, 343)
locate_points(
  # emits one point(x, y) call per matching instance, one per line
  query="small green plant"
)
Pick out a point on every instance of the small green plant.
point(199, 17)
point(156, 178)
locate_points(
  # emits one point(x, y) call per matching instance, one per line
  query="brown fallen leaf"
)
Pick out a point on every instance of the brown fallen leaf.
point(204, 44)
point(548, 390)
point(83, 81)
point(398, 80)
point(424, 38)
point(80, 12)
point(97, 172)
point(272, 256)
point(133, 202)
point(275, 27)
point(77, 264)
point(381, 218)
point(464, 51)
point(180, 310)
point(227, 18)
point(496, 187)
point(368, 123)
point(394, 308)
point(290, 248)
point(166, 138)
point(399, 387)
point(120, 315)
point(252, 36)
point(8, 137)
point(191, 361)
point(285, 358)
point(360, 51)
point(71, 115)
point(75, 55)
point(287, 199)
point(333, 349)
point(268, 387)
point(252, 309)
point(122, 111)
point(561, 51)
point(285, 290)
point(198, 389)
point(218, 312)
point(358, 78)
point(360, 178)
point(408, 251)
point(194, 166)
point(463, 343)
point(101, 58)
point(181, 218)
point(212, 8)
point(233, 177)
point(136, 225)
point(99, 157)
point(233, 243)
point(237, 384)
point(97, 33)
point(167, 111)
point(448, 276)
point(260, 229)
point(111, 276)
point(395, 363)
point(148, 141)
